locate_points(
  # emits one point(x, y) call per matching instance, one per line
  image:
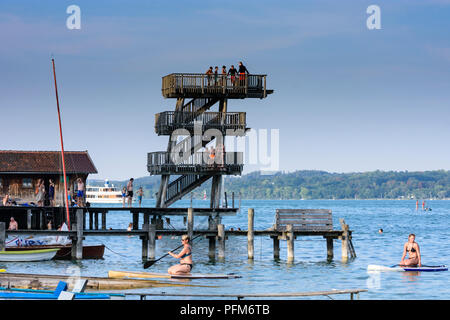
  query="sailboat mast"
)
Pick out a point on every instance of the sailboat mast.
point(62, 149)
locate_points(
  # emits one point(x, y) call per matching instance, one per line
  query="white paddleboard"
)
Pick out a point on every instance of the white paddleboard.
point(374, 267)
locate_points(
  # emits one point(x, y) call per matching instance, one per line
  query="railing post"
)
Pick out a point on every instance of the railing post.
point(265, 94)
point(182, 90)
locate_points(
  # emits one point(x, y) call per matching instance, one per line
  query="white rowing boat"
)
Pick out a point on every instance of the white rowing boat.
point(27, 255)
point(374, 267)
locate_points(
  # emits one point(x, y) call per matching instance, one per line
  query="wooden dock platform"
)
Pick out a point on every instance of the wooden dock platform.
point(309, 223)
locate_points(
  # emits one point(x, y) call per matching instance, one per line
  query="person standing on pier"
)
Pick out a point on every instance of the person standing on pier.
point(130, 191)
point(51, 192)
point(124, 195)
point(40, 193)
point(185, 256)
point(80, 193)
point(140, 194)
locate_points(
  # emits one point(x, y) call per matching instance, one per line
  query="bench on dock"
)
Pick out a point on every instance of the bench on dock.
point(304, 219)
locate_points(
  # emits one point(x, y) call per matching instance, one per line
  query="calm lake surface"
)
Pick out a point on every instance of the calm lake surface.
point(310, 270)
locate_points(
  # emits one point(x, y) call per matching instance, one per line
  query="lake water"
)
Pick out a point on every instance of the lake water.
point(310, 271)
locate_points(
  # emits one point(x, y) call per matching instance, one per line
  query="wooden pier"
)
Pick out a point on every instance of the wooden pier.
point(290, 224)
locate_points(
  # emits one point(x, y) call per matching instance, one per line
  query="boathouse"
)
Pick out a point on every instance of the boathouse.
point(20, 172)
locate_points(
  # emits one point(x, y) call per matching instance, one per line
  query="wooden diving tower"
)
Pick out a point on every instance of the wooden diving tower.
point(193, 125)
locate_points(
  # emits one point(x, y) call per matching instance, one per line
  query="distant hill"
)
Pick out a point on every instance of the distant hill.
point(306, 184)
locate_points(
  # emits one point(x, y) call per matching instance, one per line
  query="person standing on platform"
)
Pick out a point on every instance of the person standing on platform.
point(242, 71)
point(224, 76)
point(51, 193)
point(209, 73)
point(140, 194)
point(130, 192)
point(232, 72)
point(40, 193)
point(216, 75)
point(80, 193)
point(124, 195)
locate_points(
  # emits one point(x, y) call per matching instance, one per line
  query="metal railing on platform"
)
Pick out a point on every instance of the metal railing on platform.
point(198, 83)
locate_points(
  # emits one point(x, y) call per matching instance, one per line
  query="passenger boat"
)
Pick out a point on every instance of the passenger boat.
point(27, 255)
point(106, 194)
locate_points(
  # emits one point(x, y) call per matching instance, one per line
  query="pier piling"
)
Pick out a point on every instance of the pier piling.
point(221, 240)
point(276, 247)
point(290, 242)
point(250, 234)
point(330, 249)
point(152, 241)
point(190, 223)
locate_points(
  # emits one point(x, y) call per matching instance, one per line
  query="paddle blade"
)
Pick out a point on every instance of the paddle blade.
point(149, 263)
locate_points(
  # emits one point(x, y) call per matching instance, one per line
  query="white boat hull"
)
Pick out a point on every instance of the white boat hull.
point(28, 255)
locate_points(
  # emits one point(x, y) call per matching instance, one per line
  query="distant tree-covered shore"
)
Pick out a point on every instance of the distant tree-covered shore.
point(311, 184)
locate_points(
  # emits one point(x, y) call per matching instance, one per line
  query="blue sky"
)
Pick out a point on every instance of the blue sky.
point(346, 98)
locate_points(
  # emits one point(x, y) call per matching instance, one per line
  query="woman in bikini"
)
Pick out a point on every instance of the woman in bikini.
point(412, 248)
point(185, 255)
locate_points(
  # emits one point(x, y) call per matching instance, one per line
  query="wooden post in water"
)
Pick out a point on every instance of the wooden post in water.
point(344, 239)
point(96, 220)
point(212, 226)
point(290, 242)
point(232, 199)
point(190, 223)
point(135, 220)
point(29, 219)
point(103, 220)
point(77, 243)
point(330, 248)
point(2, 236)
point(221, 240)
point(152, 241)
point(276, 247)
point(145, 241)
point(91, 220)
point(250, 234)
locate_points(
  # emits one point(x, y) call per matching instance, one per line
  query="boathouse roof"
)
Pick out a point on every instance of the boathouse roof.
point(12, 161)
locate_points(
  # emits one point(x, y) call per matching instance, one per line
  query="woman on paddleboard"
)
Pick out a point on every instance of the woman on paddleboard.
point(185, 265)
point(412, 248)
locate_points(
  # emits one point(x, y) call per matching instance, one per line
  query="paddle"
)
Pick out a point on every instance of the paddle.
point(149, 263)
